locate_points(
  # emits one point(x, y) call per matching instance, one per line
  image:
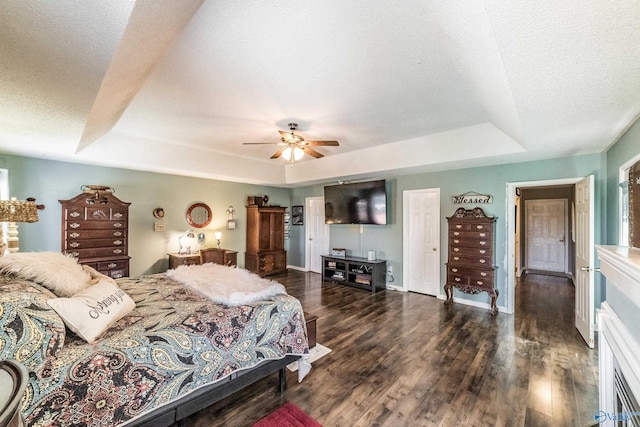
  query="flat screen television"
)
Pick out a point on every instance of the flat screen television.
point(356, 203)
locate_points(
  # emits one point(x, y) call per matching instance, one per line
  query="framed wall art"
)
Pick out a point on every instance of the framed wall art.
point(297, 215)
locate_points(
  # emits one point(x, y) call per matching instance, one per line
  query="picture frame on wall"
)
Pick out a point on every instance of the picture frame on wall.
point(297, 215)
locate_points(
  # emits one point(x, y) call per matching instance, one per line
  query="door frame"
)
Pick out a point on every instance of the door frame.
point(511, 229)
point(405, 236)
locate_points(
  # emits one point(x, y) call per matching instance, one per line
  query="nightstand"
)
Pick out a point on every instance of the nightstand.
point(176, 260)
point(219, 256)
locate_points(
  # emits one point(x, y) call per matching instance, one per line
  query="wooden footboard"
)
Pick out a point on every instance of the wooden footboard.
point(177, 412)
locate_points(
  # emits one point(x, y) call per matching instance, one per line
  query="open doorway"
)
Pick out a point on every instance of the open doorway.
point(582, 217)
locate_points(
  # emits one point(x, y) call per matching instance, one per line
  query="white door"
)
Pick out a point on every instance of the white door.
point(421, 246)
point(584, 225)
point(316, 234)
point(546, 234)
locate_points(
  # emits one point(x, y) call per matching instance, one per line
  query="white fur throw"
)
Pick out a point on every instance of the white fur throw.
point(226, 285)
point(58, 272)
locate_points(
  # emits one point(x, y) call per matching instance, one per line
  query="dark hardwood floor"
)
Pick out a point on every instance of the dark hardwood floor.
point(403, 359)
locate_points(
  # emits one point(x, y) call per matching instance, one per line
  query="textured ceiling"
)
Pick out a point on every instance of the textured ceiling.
point(408, 86)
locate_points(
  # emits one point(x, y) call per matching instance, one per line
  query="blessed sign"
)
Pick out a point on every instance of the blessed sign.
point(472, 197)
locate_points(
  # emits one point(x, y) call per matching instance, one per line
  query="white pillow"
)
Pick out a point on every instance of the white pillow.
point(56, 271)
point(91, 312)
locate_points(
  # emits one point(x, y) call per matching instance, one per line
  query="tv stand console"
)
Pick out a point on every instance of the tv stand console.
point(355, 271)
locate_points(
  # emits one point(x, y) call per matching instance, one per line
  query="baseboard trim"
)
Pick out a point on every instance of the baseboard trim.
point(295, 267)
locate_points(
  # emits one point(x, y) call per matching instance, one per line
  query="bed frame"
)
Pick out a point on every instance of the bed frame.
point(176, 413)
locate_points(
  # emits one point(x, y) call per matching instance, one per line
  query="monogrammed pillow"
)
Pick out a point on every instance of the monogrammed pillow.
point(91, 312)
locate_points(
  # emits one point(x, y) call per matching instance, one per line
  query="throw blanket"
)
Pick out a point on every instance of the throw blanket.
point(226, 285)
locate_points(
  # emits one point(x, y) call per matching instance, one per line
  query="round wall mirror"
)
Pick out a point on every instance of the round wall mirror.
point(199, 215)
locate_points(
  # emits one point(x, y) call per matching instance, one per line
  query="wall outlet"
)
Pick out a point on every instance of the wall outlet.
point(390, 269)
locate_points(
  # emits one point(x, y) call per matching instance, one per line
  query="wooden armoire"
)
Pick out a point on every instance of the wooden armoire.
point(95, 228)
point(265, 252)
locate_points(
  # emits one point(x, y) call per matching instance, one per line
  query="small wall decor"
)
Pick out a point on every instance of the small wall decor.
point(287, 224)
point(471, 197)
point(159, 225)
point(231, 223)
point(297, 217)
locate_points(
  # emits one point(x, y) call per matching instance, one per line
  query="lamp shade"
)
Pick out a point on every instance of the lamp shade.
point(18, 211)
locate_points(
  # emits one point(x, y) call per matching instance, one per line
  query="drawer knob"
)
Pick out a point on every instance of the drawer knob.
point(457, 279)
point(117, 251)
point(483, 234)
point(458, 226)
point(455, 270)
point(112, 265)
point(456, 249)
point(116, 275)
point(482, 261)
point(482, 251)
point(456, 258)
point(483, 274)
point(74, 225)
point(75, 254)
point(74, 244)
point(118, 215)
point(117, 242)
point(455, 233)
point(456, 241)
point(480, 283)
point(482, 242)
point(117, 233)
point(479, 227)
point(118, 225)
point(74, 214)
point(74, 235)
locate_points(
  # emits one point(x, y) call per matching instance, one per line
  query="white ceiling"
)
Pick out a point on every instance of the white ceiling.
point(409, 86)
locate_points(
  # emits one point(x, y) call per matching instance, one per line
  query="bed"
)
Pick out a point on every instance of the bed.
point(175, 353)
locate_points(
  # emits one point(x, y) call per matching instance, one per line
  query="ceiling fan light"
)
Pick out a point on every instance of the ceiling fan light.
point(298, 153)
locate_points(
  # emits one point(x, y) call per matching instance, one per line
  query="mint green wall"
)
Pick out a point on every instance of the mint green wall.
point(627, 148)
point(387, 240)
point(48, 181)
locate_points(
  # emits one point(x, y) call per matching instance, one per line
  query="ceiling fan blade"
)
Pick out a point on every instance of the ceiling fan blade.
point(278, 153)
point(261, 143)
point(323, 143)
point(311, 152)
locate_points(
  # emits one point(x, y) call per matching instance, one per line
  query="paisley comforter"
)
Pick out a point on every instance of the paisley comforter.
point(172, 343)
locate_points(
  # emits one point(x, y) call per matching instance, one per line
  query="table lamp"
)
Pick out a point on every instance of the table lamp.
point(218, 235)
point(13, 211)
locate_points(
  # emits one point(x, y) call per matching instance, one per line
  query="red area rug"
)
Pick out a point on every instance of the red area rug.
point(288, 415)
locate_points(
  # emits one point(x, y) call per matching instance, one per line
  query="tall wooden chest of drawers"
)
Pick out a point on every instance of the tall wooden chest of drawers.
point(470, 265)
point(95, 230)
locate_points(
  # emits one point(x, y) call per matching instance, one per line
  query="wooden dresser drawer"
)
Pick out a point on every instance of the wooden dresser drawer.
point(471, 251)
point(95, 225)
point(74, 244)
point(94, 234)
point(97, 252)
point(472, 261)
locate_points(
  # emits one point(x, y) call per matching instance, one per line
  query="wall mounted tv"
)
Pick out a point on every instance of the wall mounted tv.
point(356, 203)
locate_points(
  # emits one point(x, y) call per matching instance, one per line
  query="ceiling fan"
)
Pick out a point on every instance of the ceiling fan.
point(294, 146)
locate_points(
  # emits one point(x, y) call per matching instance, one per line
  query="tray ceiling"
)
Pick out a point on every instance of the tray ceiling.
point(177, 87)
